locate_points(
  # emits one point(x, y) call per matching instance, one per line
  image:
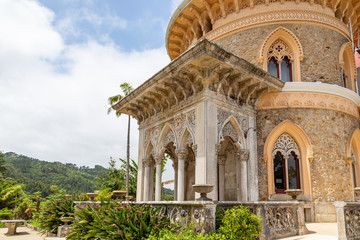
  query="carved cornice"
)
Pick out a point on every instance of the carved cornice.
point(204, 68)
point(308, 100)
point(302, 16)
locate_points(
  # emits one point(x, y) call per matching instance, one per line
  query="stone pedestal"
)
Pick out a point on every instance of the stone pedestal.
point(12, 227)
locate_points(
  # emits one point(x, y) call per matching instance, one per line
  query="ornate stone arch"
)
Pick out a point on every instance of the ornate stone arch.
point(149, 149)
point(347, 64)
point(306, 153)
point(166, 136)
point(288, 38)
point(187, 138)
point(353, 154)
point(232, 129)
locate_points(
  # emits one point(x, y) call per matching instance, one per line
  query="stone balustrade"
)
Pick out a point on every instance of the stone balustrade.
point(348, 219)
point(279, 219)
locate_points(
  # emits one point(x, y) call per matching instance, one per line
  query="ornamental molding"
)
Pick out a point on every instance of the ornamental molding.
point(285, 144)
point(279, 49)
point(301, 99)
point(266, 18)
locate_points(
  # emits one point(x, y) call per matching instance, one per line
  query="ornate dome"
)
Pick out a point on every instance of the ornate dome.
point(194, 20)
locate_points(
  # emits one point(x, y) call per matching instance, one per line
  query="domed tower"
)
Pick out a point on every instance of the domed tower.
point(260, 100)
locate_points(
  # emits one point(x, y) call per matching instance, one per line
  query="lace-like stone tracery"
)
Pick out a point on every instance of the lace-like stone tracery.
point(285, 144)
point(279, 49)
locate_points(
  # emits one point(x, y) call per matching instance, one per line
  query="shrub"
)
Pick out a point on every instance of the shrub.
point(238, 223)
point(185, 233)
point(118, 221)
point(6, 214)
point(56, 207)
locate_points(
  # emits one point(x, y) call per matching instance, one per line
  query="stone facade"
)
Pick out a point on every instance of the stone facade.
point(321, 49)
point(328, 132)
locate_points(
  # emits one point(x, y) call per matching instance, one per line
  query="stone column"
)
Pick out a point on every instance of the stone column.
point(181, 156)
point(243, 157)
point(147, 163)
point(221, 162)
point(253, 187)
point(158, 186)
point(175, 166)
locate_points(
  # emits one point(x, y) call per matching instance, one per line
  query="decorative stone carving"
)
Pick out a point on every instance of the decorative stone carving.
point(308, 100)
point(229, 130)
point(280, 15)
point(148, 162)
point(244, 155)
point(179, 214)
point(222, 116)
point(191, 118)
point(221, 159)
point(159, 159)
point(280, 219)
point(179, 124)
point(181, 153)
point(169, 137)
point(279, 49)
point(285, 144)
point(194, 148)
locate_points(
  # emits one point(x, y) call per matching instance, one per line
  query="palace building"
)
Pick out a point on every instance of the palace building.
point(260, 100)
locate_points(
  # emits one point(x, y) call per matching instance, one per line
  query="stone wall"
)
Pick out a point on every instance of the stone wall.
point(321, 48)
point(328, 132)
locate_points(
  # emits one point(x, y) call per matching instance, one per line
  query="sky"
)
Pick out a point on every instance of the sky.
point(60, 60)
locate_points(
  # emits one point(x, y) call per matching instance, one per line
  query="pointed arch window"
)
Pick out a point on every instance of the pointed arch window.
point(280, 58)
point(286, 157)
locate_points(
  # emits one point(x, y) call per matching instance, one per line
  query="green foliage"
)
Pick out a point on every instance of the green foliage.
point(118, 221)
point(38, 175)
point(219, 217)
point(2, 165)
point(56, 207)
point(185, 233)
point(6, 214)
point(115, 179)
point(238, 223)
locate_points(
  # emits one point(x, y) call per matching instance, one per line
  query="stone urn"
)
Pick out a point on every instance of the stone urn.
point(92, 195)
point(203, 189)
point(119, 194)
point(294, 193)
point(66, 220)
point(357, 194)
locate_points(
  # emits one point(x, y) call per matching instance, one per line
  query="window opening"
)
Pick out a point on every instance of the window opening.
point(286, 157)
point(280, 59)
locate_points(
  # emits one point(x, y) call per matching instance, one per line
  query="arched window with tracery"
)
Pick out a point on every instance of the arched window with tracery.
point(286, 159)
point(280, 58)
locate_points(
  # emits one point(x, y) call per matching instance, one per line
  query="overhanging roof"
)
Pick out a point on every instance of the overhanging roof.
point(204, 66)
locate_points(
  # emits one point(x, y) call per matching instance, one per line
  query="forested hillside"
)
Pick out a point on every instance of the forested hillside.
point(40, 175)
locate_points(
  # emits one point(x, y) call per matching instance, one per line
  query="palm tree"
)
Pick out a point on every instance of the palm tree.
point(127, 89)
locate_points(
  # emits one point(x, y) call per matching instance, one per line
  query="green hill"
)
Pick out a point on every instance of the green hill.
point(40, 175)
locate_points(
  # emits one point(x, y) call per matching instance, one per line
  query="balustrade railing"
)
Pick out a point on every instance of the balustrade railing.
point(279, 219)
point(348, 220)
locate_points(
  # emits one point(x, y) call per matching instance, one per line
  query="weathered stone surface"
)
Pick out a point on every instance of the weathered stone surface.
point(321, 49)
point(328, 132)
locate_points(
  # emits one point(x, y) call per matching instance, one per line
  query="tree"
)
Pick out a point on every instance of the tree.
point(2, 164)
point(115, 179)
point(127, 89)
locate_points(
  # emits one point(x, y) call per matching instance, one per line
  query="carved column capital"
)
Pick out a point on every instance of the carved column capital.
point(181, 154)
point(158, 159)
point(221, 159)
point(147, 162)
point(243, 155)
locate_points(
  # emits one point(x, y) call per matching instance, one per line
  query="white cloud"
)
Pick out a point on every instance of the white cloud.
point(54, 96)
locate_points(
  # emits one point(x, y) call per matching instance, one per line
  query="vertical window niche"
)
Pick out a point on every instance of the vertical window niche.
point(286, 163)
point(280, 61)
